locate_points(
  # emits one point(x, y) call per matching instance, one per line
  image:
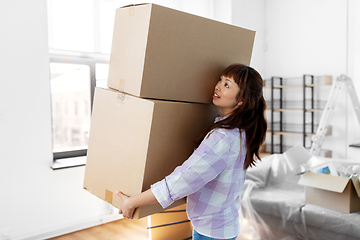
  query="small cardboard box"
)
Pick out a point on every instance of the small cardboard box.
point(337, 193)
point(162, 53)
point(136, 142)
point(170, 223)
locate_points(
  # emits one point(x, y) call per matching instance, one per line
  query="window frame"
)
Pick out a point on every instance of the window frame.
point(72, 57)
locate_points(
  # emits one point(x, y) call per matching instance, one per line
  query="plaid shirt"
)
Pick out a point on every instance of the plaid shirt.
point(212, 179)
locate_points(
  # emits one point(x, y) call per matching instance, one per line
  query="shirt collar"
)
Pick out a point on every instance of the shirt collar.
point(220, 118)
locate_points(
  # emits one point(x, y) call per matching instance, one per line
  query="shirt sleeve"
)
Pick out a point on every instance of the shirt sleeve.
point(205, 164)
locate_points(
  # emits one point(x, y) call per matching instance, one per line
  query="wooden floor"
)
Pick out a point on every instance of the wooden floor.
point(122, 229)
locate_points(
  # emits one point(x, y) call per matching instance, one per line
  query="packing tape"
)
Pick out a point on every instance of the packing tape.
point(120, 99)
point(108, 196)
point(122, 85)
point(131, 10)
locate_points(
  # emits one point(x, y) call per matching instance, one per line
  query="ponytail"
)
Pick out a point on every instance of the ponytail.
point(255, 135)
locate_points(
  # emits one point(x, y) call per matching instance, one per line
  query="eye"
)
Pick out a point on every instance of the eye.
point(226, 85)
point(219, 79)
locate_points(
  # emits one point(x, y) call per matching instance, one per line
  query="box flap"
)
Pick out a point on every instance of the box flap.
point(324, 181)
point(356, 183)
point(296, 156)
point(134, 5)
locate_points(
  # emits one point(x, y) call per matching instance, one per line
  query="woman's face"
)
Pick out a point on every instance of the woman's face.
point(225, 94)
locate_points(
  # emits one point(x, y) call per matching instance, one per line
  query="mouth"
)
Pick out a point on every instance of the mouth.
point(216, 96)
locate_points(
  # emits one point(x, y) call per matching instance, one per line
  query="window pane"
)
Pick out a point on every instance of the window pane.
point(107, 18)
point(101, 74)
point(71, 25)
point(70, 95)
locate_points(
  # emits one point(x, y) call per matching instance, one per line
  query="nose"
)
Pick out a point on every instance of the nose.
point(217, 86)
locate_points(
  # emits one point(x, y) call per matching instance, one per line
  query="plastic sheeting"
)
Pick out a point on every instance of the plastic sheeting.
point(273, 207)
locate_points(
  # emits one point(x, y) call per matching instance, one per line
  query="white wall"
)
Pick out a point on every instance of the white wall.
point(353, 124)
point(251, 15)
point(305, 36)
point(308, 37)
point(312, 37)
point(33, 198)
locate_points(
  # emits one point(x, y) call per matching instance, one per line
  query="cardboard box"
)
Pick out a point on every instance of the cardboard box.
point(170, 223)
point(136, 142)
point(337, 193)
point(161, 53)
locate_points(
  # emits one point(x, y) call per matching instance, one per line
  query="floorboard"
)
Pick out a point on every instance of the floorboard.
point(122, 229)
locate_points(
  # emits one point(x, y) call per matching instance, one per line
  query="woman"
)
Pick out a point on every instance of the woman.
point(213, 176)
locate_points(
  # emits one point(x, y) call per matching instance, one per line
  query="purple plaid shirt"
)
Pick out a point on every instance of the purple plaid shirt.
point(212, 179)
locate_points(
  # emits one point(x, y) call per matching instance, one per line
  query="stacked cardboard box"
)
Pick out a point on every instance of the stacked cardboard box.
point(164, 65)
point(170, 223)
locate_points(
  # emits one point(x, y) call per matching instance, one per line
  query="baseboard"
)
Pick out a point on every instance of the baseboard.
point(73, 227)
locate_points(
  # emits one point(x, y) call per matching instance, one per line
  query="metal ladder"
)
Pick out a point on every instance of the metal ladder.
point(318, 138)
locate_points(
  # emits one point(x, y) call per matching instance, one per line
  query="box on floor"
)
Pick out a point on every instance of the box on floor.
point(136, 142)
point(333, 192)
point(162, 53)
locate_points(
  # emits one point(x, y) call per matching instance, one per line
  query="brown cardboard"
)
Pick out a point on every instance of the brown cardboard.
point(337, 193)
point(162, 53)
point(170, 223)
point(136, 142)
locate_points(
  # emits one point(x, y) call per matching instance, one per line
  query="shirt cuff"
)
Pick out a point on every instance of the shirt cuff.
point(161, 193)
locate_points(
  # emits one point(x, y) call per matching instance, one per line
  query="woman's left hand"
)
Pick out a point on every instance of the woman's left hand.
point(126, 208)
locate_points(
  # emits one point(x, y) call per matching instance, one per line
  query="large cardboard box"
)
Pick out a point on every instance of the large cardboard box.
point(337, 193)
point(161, 53)
point(136, 142)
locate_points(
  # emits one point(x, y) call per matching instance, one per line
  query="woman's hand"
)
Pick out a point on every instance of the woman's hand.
point(126, 208)
point(128, 204)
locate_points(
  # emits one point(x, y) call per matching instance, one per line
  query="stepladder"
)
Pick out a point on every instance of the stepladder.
point(324, 124)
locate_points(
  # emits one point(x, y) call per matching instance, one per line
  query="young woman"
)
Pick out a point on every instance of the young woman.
point(213, 176)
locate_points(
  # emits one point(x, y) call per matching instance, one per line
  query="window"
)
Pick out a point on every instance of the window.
point(80, 35)
point(101, 73)
point(73, 79)
point(70, 94)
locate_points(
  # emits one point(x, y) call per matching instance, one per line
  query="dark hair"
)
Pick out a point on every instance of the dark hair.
point(250, 115)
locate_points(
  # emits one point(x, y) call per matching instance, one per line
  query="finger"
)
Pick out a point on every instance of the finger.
point(131, 214)
point(120, 194)
point(128, 214)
